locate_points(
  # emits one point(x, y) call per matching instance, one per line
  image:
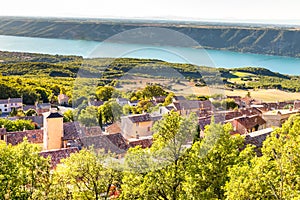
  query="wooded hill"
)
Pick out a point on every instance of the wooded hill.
point(109, 71)
point(274, 40)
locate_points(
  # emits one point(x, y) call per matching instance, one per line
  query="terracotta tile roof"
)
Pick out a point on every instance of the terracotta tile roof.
point(33, 136)
point(101, 142)
point(71, 130)
point(232, 114)
point(241, 112)
point(250, 121)
point(250, 111)
point(90, 131)
point(203, 121)
point(58, 154)
point(257, 138)
point(140, 118)
point(118, 140)
point(144, 143)
point(113, 128)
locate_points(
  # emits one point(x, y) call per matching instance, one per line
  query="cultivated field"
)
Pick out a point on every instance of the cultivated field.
point(184, 87)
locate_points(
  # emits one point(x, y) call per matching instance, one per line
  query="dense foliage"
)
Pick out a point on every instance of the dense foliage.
point(213, 168)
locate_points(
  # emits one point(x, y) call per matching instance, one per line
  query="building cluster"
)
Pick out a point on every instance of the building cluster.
point(252, 118)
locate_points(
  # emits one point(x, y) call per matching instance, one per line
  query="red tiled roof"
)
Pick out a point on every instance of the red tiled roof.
point(140, 118)
point(71, 130)
point(33, 136)
point(113, 128)
point(101, 142)
point(232, 114)
point(257, 141)
point(118, 140)
point(90, 131)
point(58, 154)
point(250, 111)
point(144, 143)
point(251, 121)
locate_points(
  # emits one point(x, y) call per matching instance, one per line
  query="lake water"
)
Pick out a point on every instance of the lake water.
point(213, 58)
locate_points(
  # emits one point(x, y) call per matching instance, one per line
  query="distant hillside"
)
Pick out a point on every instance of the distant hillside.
point(110, 71)
point(283, 41)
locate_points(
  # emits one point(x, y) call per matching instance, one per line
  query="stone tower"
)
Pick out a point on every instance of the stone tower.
point(53, 130)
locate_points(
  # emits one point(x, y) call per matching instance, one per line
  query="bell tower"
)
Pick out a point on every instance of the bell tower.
point(53, 130)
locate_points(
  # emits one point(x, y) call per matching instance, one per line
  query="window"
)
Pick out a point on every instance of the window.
point(5, 109)
point(148, 129)
point(5, 105)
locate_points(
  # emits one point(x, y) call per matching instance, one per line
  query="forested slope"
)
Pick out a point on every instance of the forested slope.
point(283, 41)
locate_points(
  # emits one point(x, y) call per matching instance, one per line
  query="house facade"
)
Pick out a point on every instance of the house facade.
point(277, 117)
point(135, 126)
point(7, 105)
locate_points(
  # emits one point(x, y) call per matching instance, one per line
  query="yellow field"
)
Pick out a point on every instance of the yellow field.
point(187, 88)
point(269, 95)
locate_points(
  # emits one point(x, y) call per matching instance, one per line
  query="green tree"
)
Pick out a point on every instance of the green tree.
point(43, 94)
point(104, 93)
point(17, 125)
point(30, 112)
point(111, 111)
point(88, 116)
point(144, 106)
point(69, 116)
point(153, 90)
point(168, 99)
point(13, 112)
point(209, 160)
point(89, 175)
point(274, 175)
point(126, 109)
point(158, 173)
point(24, 174)
point(228, 104)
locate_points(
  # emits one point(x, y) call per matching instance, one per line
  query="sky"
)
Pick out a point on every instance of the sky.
point(281, 11)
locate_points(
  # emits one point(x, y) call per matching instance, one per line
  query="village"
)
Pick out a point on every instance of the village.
point(251, 118)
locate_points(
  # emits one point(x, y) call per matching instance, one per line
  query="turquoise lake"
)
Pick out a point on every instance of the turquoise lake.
point(213, 58)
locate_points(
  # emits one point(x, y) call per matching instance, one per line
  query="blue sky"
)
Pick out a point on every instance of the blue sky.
point(280, 11)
